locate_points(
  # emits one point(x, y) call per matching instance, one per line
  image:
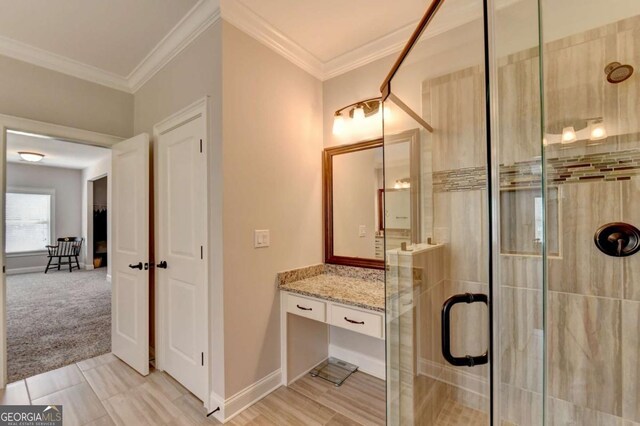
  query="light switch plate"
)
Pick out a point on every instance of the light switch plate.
point(261, 238)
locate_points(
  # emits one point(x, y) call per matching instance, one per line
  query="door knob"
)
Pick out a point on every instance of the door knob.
point(162, 264)
point(137, 266)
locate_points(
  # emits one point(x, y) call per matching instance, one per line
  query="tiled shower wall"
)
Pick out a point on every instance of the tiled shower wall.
point(593, 306)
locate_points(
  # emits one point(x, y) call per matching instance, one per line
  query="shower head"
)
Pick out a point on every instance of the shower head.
point(617, 72)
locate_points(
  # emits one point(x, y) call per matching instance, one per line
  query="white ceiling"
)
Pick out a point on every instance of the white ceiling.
point(123, 43)
point(112, 35)
point(330, 28)
point(57, 153)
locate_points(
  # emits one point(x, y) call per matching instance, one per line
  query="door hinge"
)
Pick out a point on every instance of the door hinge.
point(201, 252)
point(4, 269)
point(202, 357)
point(200, 145)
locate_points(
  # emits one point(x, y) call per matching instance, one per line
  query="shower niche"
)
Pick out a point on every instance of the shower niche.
point(522, 222)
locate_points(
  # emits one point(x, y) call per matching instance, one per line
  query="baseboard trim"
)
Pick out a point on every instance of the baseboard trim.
point(32, 269)
point(234, 405)
point(108, 278)
point(367, 364)
point(27, 270)
point(88, 267)
point(305, 372)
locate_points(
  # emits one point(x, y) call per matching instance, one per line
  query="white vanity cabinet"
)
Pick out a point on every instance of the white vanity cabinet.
point(352, 318)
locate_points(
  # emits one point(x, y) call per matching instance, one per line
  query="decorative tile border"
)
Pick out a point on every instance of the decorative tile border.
point(608, 166)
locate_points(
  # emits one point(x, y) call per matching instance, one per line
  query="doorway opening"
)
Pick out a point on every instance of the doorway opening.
point(58, 305)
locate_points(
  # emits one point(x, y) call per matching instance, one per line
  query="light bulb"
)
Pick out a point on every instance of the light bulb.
point(338, 124)
point(358, 113)
point(569, 134)
point(598, 131)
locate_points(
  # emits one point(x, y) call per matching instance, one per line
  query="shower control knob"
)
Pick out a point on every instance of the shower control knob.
point(617, 239)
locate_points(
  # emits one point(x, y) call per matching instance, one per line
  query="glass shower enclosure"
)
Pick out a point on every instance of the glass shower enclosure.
point(512, 136)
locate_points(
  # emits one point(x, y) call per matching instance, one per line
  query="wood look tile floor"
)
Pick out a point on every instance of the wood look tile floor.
point(104, 391)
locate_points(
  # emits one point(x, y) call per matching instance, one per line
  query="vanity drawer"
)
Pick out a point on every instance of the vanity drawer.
point(369, 323)
point(305, 307)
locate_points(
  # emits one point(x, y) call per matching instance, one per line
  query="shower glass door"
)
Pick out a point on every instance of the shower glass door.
point(438, 322)
point(465, 300)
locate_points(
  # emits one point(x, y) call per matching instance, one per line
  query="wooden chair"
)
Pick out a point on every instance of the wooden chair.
point(67, 247)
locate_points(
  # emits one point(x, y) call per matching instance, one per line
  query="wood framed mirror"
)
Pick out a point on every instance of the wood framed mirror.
point(361, 204)
point(352, 181)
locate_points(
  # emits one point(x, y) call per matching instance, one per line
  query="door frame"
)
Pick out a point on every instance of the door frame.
point(71, 134)
point(200, 108)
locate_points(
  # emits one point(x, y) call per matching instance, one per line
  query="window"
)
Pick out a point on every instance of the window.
point(29, 217)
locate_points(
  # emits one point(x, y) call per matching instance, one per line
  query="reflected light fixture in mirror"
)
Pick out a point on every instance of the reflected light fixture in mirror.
point(592, 129)
point(597, 130)
point(569, 134)
point(32, 157)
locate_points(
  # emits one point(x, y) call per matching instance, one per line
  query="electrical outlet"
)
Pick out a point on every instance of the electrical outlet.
point(362, 232)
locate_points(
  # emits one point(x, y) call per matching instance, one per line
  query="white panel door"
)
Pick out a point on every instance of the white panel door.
point(130, 274)
point(182, 237)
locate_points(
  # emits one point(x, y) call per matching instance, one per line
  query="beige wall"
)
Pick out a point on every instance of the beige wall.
point(273, 179)
point(195, 73)
point(266, 173)
point(37, 93)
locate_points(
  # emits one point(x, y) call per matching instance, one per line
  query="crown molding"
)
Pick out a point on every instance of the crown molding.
point(206, 12)
point(195, 22)
point(45, 59)
point(199, 18)
point(238, 14)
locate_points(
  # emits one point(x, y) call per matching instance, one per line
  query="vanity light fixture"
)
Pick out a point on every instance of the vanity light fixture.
point(358, 111)
point(338, 124)
point(32, 157)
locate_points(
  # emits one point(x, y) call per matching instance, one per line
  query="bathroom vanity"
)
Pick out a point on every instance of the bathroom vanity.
point(319, 300)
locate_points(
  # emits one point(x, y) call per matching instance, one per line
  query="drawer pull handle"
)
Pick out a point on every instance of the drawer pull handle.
point(353, 322)
point(303, 308)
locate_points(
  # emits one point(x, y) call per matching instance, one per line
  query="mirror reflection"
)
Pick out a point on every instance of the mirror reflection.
point(363, 202)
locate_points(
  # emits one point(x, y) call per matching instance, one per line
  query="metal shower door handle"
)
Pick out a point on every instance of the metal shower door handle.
point(466, 360)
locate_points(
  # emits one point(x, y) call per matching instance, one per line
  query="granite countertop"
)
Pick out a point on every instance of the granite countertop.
point(363, 289)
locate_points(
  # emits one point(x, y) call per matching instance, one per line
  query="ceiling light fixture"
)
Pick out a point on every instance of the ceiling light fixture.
point(32, 157)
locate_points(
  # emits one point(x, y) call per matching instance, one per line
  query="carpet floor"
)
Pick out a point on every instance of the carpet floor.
point(56, 319)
